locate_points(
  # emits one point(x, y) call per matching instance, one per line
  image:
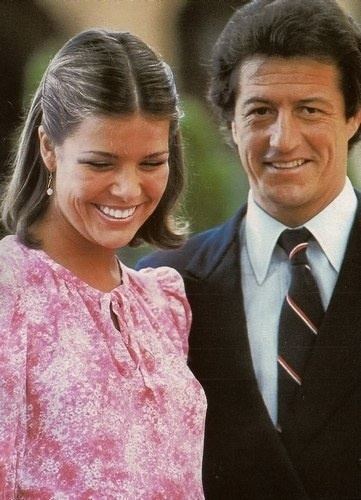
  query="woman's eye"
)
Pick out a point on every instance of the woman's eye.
point(98, 165)
point(153, 164)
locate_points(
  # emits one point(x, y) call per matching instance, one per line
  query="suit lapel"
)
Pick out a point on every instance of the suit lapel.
point(224, 319)
point(333, 369)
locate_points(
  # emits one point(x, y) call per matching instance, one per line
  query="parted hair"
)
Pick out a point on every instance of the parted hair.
point(316, 29)
point(96, 73)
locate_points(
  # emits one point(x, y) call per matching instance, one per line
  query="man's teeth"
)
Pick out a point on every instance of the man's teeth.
point(117, 213)
point(288, 164)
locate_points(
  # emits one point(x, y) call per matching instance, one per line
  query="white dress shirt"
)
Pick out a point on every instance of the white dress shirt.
point(266, 276)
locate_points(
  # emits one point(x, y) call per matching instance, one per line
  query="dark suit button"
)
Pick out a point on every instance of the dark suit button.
point(359, 462)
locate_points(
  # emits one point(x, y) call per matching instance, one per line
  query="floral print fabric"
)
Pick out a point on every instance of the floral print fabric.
point(96, 400)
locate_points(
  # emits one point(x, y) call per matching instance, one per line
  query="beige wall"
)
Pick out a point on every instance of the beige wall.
point(152, 20)
point(352, 6)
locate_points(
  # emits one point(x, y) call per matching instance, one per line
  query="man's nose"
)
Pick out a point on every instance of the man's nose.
point(126, 184)
point(284, 132)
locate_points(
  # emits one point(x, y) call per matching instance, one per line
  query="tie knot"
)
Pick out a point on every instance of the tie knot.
point(294, 241)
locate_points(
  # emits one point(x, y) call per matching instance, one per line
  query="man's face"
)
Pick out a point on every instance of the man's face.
point(291, 133)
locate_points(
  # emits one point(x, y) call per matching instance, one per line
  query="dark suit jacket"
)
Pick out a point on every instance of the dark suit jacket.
point(319, 454)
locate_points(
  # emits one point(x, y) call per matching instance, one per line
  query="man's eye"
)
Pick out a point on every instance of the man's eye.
point(259, 111)
point(309, 110)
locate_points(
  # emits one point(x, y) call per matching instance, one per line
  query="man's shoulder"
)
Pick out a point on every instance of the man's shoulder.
point(197, 247)
point(179, 257)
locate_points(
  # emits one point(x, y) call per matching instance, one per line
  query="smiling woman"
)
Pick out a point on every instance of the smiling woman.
point(109, 176)
point(98, 400)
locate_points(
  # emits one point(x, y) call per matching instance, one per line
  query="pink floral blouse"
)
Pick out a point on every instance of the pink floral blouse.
point(88, 411)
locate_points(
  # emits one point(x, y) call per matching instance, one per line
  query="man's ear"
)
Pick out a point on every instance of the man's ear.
point(47, 150)
point(354, 123)
point(234, 132)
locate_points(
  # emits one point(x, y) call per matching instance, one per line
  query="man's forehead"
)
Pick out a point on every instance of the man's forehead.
point(268, 71)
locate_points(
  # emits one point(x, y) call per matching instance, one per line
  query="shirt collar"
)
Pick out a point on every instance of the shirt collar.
point(262, 231)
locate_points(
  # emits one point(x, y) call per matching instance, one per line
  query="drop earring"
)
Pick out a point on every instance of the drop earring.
point(50, 190)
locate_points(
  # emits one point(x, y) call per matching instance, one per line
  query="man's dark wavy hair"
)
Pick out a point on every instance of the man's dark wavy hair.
point(316, 29)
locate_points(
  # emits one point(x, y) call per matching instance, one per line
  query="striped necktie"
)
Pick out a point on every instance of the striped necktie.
point(301, 316)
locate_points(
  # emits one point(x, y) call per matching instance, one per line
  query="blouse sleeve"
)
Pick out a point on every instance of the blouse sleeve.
point(12, 382)
point(174, 300)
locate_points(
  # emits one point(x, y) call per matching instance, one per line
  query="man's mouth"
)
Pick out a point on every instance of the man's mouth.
point(116, 213)
point(287, 165)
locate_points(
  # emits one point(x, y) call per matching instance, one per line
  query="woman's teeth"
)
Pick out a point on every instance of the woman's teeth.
point(116, 213)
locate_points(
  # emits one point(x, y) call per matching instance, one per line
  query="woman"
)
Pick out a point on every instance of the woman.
point(96, 398)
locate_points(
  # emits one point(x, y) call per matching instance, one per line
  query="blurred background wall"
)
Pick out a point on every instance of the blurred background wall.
point(183, 31)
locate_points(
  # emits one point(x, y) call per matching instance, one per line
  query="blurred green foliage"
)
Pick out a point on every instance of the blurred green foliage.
point(217, 184)
point(36, 67)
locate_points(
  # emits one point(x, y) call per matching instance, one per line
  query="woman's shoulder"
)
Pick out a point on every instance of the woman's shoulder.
point(165, 279)
point(12, 256)
point(11, 279)
point(9, 243)
point(12, 247)
point(163, 290)
point(20, 265)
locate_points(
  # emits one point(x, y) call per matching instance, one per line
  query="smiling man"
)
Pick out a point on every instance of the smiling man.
point(292, 134)
point(276, 291)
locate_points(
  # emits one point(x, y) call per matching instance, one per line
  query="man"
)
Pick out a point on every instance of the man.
point(282, 381)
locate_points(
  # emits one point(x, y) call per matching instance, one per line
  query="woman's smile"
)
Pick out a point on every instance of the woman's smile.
point(116, 213)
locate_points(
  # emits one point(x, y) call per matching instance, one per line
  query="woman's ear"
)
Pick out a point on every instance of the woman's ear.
point(47, 150)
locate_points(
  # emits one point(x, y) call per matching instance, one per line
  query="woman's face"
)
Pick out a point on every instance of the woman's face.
point(109, 177)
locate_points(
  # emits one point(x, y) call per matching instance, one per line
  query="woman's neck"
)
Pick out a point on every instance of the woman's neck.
point(95, 265)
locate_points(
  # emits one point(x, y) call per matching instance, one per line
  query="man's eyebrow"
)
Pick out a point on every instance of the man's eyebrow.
point(308, 100)
point(315, 99)
point(253, 100)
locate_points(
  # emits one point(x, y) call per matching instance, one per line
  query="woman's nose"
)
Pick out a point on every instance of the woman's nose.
point(126, 184)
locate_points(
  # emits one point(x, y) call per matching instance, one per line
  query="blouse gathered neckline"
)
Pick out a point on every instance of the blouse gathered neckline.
point(66, 275)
